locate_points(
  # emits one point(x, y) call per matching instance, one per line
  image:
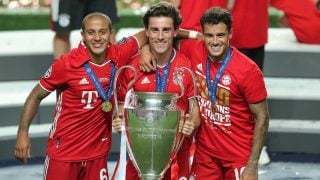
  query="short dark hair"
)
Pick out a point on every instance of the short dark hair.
point(164, 9)
point(216, 15)
point(96, 15)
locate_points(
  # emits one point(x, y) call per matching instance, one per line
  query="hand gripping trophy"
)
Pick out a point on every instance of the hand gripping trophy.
point(151, 127)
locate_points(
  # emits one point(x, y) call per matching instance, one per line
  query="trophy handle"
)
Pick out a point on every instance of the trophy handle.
point(179, 80)
point(123, 146)
point(115, 84)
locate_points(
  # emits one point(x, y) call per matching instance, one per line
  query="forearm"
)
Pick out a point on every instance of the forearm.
point(120, 107)
point(259, 135)
point(26, 118)
point(30, 108)
point(230, 4)
point(141, 37)
point(118, 112)
point(195, 113)
point(147, 60)
point(28, 113)
point(188, 34)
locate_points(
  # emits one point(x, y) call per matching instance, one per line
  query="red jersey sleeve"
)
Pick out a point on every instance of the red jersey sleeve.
point(187, 47)
point(188, 79)
point(253, 86)
point(55, 76)
point(123, 51)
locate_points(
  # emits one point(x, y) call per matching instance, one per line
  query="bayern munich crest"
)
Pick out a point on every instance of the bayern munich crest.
point(226, 80)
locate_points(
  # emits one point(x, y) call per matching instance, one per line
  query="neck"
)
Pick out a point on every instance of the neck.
point(215, 59)
point(162, 59)
point(98, 61)
point(219, 59)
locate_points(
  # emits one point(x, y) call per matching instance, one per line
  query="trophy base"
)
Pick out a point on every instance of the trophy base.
point(150, 177)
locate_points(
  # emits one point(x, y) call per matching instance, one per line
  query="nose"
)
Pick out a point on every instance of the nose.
point(215, 40)
point(97, 36)
point(160, 35)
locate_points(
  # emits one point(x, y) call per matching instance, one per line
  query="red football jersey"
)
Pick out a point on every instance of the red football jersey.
point(226, 133)
point(81, 130)
point(192, 10)
point(303, 18)
point(250, 23)
point(146, 82)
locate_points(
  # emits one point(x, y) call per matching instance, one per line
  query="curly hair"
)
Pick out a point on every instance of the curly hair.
point(163, 9)
point(216, 15)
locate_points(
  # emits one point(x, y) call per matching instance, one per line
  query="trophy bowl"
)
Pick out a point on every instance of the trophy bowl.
point(152, 121)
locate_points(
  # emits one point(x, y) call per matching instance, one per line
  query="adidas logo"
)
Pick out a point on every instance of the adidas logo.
point(84, 81)
point(145, 81)
point(199, 66)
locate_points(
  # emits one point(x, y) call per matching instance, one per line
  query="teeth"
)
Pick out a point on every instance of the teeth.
point(160, 46)
point(215, 48)
point(97, 45)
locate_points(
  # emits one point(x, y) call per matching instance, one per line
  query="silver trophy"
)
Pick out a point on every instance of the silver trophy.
point(152, 125)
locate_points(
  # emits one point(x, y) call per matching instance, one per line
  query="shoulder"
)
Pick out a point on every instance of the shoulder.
point(126, 40)
point(182, 57)
point(194, 49)
point(242, 68)
point(242, 60)
point(191, 42)
point(123, 49)
point(64, 61)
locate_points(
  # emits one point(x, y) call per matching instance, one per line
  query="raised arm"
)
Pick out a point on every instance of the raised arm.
point(230, 4)
point(22, 149)
point(141, 37)
point(147, 62)
point(189, 34)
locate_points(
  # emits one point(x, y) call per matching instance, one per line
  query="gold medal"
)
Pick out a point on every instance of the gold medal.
point(106, 106)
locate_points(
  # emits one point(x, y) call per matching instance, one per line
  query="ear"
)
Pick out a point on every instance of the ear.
point(147, 32)
point(82, 35)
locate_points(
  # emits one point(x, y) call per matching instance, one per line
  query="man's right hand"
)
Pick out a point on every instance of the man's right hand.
point(147, 62)
point(117, 124)
point(22, 149)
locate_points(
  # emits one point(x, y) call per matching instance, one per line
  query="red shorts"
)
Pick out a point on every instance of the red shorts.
point(84, 170)
point(207, 167)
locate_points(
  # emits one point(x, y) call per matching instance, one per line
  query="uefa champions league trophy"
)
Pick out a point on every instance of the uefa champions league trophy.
point(151, 126)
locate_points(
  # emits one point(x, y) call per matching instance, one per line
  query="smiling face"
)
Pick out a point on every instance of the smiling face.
point(161, 33)
point(96, 36)
point(216, 38)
